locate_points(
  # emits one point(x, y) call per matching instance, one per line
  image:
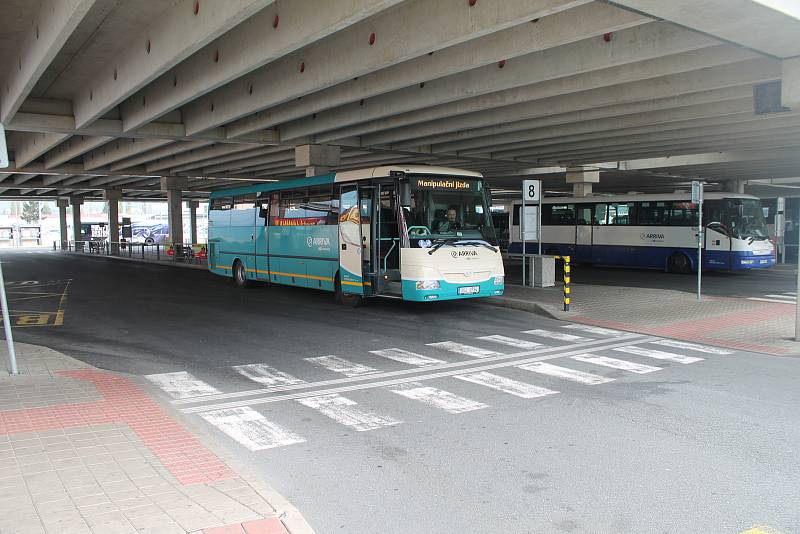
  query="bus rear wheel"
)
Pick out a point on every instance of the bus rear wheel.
point(348, 299)
point(240, 275)
point(678, 263)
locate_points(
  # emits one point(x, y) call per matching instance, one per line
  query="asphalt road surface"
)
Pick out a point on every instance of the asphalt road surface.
point(439, 417)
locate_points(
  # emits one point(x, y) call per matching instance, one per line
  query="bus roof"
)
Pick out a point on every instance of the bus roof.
point(682, 195)
point(346, 176)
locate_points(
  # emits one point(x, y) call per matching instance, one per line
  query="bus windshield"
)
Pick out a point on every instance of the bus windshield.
point(746, 218)
point(448, 210)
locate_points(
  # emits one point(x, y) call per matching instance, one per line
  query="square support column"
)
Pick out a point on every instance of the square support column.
point(317, 159)
point(193, 221)
point(62, 204)
point(112, 196)
point(76, 202)
point(790, 83)
point(582, 180)
point(174, 185)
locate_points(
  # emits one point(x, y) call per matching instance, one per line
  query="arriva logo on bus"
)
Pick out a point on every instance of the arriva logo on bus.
point(652, 237)
point(462, 253)
point(322, 243)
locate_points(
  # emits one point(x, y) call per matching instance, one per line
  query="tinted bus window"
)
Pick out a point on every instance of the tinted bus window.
point(683, 213)
point(619, 214)
point(558, 215)
point(244, 202)
point(222, 203)
point(654, 213)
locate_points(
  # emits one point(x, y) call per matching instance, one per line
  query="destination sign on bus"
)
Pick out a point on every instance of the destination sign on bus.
point(444, 184)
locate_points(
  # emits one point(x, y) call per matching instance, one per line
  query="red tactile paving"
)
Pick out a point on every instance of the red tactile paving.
point(123, 401)
point(261, 526)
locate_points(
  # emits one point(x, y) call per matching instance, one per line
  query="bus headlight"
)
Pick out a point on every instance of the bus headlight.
point(427, 284)
point(499, 280)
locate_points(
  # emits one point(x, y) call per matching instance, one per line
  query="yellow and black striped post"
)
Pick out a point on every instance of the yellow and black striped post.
point(566, 283)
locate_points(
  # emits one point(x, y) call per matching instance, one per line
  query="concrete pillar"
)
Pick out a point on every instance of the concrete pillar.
point(174, 185)
point(790, 83)
point(193, 221)
point(76, 202)
point(582, 180)
point(317, 159)
point(112, 196)
point(735, 186)
point(62, 204)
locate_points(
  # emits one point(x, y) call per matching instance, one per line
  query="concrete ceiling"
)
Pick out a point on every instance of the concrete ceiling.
point(103, 94)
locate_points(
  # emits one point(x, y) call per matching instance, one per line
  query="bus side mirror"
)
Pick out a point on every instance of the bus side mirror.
point(405, 194)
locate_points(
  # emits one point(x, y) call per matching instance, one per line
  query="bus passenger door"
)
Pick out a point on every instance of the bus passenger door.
point(351, 275)
point(583, 232)
point(718, 254)
point(267, 206)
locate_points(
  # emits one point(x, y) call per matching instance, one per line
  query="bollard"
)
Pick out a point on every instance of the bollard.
point(566, 283)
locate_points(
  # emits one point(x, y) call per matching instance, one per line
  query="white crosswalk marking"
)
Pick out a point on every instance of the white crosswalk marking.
point(506, 385)
point(340, 365)
point(344, 411)
point(251, 429)
point(561, 336)
point(595, 330)
point(512, 342)
point(460, 348)
point(182, 385)
point(690, 346)
point(438, 398)
point(565, 373)
point(773, 300)
point(658, 354)
point(264, 374)
point(615, 363)
point(404, 356)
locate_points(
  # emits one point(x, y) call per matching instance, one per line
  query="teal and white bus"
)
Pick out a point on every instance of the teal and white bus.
point(416, 233)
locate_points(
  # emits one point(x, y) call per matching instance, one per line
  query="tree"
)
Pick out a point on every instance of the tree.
point(46, 210)
point(30, 211)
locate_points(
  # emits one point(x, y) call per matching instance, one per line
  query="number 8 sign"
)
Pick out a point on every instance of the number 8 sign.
point(531, 190)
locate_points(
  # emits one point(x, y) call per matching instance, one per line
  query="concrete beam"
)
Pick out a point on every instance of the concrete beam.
point(22, 178)
point(553, 30)
point(687, 64)
point(243, 157)
point(744, 22)
point(649, 41)
point(790, 86)
point(173, 182)
point(252, 45)
point(119, 150)
point(52, 26)
point(158, 153)
point(193, 156)
point(319, 155)
point(177, 34)
point(703, 159)
point(410, 30)
point(50, 180)
point(33, 146)
point(72, 148)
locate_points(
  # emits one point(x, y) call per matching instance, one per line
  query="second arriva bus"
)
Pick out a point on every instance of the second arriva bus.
point(416, 233)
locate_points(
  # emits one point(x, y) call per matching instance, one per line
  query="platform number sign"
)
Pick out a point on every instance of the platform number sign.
point(3, 148)
point(531, 190)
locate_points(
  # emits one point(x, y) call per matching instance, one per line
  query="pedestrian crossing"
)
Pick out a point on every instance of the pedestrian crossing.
point(532, 365)
point(789, 297)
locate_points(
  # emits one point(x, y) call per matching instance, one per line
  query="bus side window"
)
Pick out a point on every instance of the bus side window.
point(585, 214)
point(599, 218)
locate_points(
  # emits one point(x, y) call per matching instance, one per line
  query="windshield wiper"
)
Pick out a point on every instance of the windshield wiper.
point(481, 243)
point(442, 243)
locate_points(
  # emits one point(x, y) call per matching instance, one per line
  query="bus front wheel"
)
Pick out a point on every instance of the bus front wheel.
point(348, 299)
point(679, 263)
point(240, 275)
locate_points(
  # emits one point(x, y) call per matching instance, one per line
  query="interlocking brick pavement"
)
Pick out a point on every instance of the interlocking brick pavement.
point(86, 451)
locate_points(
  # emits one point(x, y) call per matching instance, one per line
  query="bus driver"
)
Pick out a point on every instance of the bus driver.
point(450, 224)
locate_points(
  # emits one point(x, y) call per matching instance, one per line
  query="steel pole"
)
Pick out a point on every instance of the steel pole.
point(12, 356)
point(797, 286)
point(700, 237)
point(539, 224)
point(522, 232)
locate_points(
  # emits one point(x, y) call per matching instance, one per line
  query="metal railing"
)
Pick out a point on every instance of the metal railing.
point(141, 251)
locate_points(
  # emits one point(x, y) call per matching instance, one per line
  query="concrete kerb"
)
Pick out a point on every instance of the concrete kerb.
point(529, 306)
point(184, 265)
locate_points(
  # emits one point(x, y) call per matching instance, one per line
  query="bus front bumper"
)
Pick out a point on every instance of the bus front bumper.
point(448, 291)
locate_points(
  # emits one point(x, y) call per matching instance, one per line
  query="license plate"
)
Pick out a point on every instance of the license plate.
point(764, 262)
point(469, 290)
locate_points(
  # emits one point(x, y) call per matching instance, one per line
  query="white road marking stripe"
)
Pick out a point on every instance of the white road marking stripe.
point(512, 342)
point(404, 356)
point(390, 378)
point(344, 411)
point(460, 348)
point(438, 398)
point(251, 429)
point(340, 365)
point(658, 354)
point(506, 385)
point(793, 293)
point(614, 363)
point(555, 335)
point(182, 385)
point(776, 301)
point(787, 297)
point(690, 346)
point(595, 330)
point(565, 373)
point(264, 374)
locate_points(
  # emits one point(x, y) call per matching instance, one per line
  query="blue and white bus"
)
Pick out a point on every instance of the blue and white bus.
point(657, 231)
point(417, 233)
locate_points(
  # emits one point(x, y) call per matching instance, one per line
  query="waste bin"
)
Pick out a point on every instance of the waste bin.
point(543, 271)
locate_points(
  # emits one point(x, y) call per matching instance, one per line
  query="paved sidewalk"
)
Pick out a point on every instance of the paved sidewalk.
point(88, 451)
point(735, 323)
